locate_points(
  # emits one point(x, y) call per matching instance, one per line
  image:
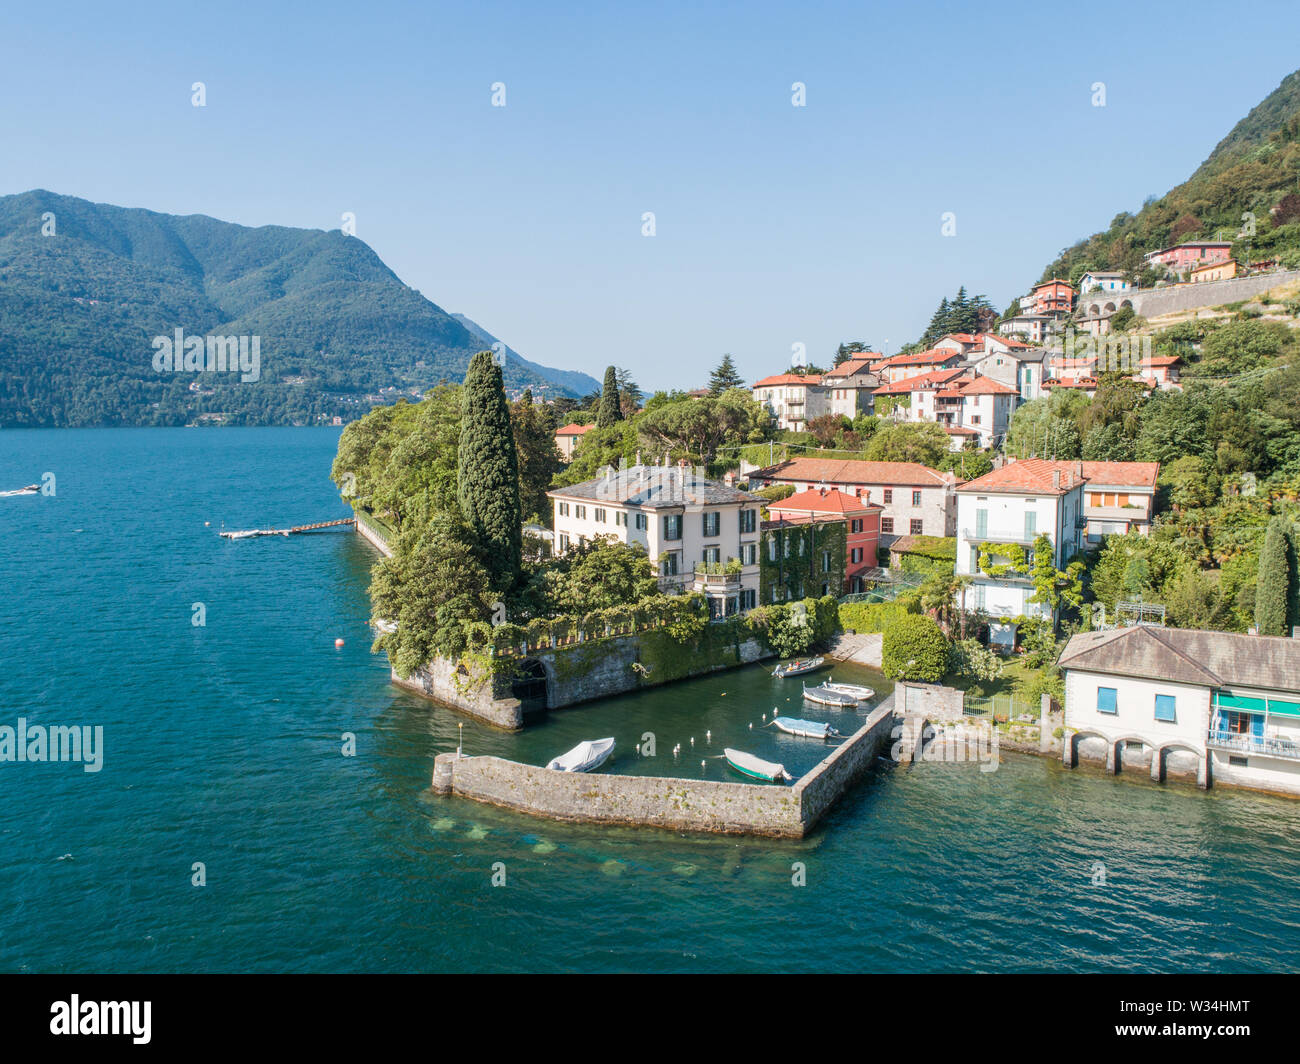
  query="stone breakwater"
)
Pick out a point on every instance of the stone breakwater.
point(668, 802)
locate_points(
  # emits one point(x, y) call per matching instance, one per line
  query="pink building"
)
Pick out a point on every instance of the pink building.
point(1183, 257)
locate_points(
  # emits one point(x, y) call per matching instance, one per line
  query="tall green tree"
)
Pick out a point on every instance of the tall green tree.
point(725, 376)
point(1274, 585)
point(610, 410)
point(487, 472)
point(539, 458)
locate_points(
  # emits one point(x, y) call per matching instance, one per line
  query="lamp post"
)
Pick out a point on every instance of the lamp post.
point(460, 741)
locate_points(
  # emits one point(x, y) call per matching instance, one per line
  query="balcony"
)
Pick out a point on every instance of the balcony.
point(715, 576)
point(975, 536)
point(676, 583)
point(1238, 743)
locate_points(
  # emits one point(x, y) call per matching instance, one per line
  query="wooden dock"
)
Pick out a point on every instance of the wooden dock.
point(250, 533)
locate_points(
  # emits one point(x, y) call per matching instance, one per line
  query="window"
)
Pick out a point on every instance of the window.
point(600, 515)
point(889, 496)
point(673, 526)
point(887, 524)
point(786, 541)
point(826, 561)
point(712, 555)
point(564, 542)
point(915, 528)
point(748, 599)
point(641, 522)
point(981, 524)
point(855, 555)
point(564, 509)
point(916, 498)
point(748, 520)
point(668, 564)
point(749, 554)
point(1106, 700)
point(855, 525)
point(620, 518)
point(580, 512)
point(1031, 524)
point(975, 419)
point(771, 548)
point(1165, 705)
point(712, 524)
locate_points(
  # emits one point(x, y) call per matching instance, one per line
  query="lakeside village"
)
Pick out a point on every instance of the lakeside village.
point(1091, 552)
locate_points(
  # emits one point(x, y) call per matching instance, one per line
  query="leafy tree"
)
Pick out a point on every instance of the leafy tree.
point(923, 442)
point(845, 351)
point(1108, 443)
point(1272, 590)
point(1188, 482)
point(914, 648)
point(970, 657)
point(610, 409)
point(725, 377)
point(966, 463)
point(599, 574)
point(539, 458)
point(825, 427)
point(629, 393)
point(488, 472)
point(698, 427)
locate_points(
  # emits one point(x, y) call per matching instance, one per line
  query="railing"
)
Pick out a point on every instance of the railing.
point(675, 583)
point(1255, 744)
point(717, 579)
point(999, 707)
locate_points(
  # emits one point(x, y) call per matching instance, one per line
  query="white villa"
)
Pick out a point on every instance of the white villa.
point(1010, 507)
point(690, 527)
point(1224, 704)
point(793, 400)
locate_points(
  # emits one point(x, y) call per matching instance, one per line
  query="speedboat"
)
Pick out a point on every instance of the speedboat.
point(799, 665)
point(809, 729)
point(756, 767)
point(31, 489)
point(584, 757)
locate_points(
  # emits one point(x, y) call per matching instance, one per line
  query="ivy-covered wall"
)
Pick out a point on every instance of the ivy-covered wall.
point(796, 572)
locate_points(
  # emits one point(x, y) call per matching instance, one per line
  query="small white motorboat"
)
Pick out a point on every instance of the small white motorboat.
point(584, 757)
point(31, 489)
point(799, 665)
point(809, 729)
point(824, 696)
point(756, 767)
point(862, 694)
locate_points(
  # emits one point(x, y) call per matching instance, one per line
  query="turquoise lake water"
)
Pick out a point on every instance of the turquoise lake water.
point(222, 745)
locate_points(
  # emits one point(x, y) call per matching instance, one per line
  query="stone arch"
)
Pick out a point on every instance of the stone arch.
point(1094, 310)
point(1202, 762)
point(1115, 750)
point(1127, 303)
point(531, 686)
point(1110, 308)
point(1070, 745)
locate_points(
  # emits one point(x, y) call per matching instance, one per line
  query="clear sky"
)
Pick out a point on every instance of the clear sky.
point(775, 224)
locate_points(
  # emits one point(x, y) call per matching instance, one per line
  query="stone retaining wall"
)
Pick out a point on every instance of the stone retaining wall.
point(662, 802)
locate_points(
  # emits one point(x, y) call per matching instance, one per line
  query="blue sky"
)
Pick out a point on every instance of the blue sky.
point(774, 224)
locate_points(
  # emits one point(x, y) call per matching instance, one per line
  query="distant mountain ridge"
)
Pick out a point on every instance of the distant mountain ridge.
point(85, 288)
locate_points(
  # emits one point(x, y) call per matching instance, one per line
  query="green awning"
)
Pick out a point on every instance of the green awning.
point(1250, 705)
point(1288, 709)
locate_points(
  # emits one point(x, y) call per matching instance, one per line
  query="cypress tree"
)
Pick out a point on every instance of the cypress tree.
point(609, 411)
point(1272, 588)
point(487, 472)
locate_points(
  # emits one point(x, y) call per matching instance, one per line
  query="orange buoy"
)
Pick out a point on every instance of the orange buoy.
point(338, 643)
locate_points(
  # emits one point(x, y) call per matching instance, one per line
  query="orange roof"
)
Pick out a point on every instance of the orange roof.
point(853, 364)
point(574, 430)
point(920, 382)
point(924, 358)
point(788, 378)
point(852, 471)
point(957, 430)
point(1162, 360)
point(1006, 340)
point(823, 501)
point(984, 386)
point(1054, 280)
point(1131, 473)
point(1029, 476)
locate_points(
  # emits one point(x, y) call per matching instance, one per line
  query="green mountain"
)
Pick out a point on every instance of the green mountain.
point(85, 289)
point(1255, 168)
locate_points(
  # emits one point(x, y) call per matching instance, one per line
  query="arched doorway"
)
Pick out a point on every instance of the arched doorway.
point(529, 686)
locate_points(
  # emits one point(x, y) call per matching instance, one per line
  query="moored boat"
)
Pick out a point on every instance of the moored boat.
point(809, 729)
point(798, 666)
point(824, 696)
point(31, 489)
point(857, 690)
point(756, 767)
point(584, 757)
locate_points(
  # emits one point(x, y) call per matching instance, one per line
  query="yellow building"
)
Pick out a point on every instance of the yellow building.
point(1215, 271)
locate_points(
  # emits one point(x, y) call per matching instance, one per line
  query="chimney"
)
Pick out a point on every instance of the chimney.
point(729, 478)
point(1056, 478)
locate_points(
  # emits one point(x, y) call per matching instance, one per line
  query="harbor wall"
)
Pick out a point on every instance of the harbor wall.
point(372, 535)
point(584, 672)
point(930, 700)
point(663, 802)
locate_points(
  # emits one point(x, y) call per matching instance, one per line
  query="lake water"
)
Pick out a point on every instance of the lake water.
point(222, 745)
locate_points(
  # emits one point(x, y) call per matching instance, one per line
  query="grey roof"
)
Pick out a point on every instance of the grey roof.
point(655, 487)
point(1188, 655)
point(1033, 354)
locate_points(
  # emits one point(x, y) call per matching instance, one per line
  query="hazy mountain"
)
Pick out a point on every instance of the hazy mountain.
point(86, 288)
point(576, 382)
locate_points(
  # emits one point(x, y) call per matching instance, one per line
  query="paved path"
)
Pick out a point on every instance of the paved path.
point(864, 649)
